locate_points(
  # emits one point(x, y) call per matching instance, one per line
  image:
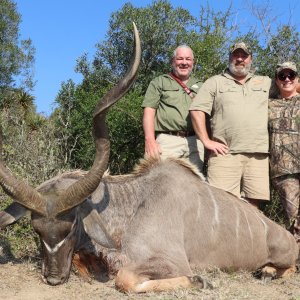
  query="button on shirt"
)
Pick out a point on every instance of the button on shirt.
point(239, 112)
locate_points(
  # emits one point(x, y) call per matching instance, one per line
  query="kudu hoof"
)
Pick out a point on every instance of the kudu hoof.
point(268, 274)
point(199, 282)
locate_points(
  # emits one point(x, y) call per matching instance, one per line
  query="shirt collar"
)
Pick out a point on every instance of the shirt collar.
point(192, 81)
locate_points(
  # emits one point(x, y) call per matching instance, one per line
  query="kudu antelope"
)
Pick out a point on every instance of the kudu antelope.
point(153, 226)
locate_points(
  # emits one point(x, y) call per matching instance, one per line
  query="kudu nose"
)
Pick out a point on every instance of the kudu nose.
point(54, 280)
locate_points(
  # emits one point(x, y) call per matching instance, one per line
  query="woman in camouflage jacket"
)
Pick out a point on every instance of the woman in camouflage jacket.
point(284, 125)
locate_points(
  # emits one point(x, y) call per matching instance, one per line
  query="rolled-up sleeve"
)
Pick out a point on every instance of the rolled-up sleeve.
point(205, 98)
point(152, 95)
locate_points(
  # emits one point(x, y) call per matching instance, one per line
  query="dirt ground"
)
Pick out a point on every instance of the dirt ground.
point(21, 280)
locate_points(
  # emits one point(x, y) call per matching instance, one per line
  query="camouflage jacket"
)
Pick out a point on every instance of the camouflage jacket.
point(284, 125)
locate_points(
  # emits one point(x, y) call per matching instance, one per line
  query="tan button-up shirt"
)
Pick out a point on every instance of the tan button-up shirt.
point(239, 112)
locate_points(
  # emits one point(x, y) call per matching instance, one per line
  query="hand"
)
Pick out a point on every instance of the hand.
point(152, 149)
point(216, 147)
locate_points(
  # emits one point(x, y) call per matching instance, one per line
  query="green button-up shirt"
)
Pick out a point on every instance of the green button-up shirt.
point(171, 103)
point(239, 112)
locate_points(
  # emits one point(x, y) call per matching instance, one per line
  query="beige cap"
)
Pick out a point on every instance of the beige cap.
point(242, 46)
point(286, 65)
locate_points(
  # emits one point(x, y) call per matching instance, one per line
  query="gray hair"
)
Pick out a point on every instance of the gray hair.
point(182, 46)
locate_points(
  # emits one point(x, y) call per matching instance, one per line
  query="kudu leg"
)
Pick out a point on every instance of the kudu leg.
point(127, 281)
point(271, 272)
point(89, 266)
point(81, 267)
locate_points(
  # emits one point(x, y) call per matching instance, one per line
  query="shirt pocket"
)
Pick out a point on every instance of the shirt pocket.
point(227, 96)
point(171, 95)
point(257, 89)
point(228, 89)
point(260, 93)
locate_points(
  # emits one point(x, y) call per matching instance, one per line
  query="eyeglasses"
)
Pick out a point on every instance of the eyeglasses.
point(291, 76)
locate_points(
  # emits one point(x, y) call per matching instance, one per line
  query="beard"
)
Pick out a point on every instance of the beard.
point(240, 72)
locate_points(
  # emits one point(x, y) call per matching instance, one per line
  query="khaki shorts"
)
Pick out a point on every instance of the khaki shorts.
point(244, 175)
point(182, 147)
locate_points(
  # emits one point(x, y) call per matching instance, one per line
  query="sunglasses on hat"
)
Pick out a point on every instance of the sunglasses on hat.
point(284, 76)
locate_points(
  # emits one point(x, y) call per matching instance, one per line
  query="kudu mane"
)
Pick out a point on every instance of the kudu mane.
point(145, 165)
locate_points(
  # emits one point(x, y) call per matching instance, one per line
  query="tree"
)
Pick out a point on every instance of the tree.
point(126, 133)
point(73, 119)
point(63, 122)
point(16, 57)
point(282, 46)
point(210, 40)
point(30, 145)
point(277, 41)
point(31, 151)
point(162, 28)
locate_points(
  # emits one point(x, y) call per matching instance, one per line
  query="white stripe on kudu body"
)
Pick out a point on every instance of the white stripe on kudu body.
point(216, 220)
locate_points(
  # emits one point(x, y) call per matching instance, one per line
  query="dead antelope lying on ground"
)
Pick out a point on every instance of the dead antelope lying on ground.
point(152, 226)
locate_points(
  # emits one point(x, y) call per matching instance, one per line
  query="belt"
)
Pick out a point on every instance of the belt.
point(180, 133)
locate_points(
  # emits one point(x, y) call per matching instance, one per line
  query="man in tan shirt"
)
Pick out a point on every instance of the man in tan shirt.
point(236, 102)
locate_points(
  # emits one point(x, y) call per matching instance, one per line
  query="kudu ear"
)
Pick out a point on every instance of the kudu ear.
point(93, 225)
point(12, 214)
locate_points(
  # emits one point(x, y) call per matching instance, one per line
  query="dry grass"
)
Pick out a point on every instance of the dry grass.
point(22, 281)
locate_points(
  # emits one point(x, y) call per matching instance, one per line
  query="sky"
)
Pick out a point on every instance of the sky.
point(63, 30)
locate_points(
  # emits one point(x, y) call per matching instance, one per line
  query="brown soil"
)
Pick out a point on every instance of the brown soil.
point(22, 281)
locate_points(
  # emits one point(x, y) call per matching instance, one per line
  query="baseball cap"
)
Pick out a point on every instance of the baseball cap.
point(240, 45)
point(286, 65)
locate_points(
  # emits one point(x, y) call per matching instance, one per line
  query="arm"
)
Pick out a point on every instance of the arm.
point(152, 148)
point(199, 124)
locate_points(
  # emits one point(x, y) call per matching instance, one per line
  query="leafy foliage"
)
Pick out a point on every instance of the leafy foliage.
point(126, 134)
point(30, 151)
point(161, 31)
point(124, 121)
point(16, 57)
point(210, 41)
point(73, 120)
point(284, 46)
point(162, 28)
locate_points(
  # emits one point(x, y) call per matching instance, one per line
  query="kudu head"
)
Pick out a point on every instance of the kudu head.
point(54, 205)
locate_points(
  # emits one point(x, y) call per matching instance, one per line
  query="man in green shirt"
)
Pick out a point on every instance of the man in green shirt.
point(166, 122)
point(236, 102)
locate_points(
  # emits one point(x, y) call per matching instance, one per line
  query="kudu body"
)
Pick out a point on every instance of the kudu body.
point(153, 226)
